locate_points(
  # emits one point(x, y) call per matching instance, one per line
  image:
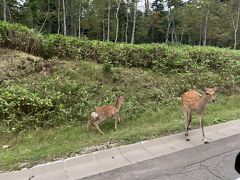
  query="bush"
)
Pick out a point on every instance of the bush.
point(18, 105)
point(17, 36)
point(77, 88)
point(159, 57)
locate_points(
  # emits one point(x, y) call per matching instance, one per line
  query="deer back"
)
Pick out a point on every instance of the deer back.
point(190, 100)
point(106, 111)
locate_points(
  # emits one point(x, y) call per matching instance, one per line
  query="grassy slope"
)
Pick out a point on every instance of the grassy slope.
point(146, 119)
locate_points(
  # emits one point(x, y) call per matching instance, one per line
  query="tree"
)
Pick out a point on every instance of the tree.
point(64, 18)
point(206, 28)
point(117, 20)
point(109, 13)
point(235, 23)
point(4, 10)
point(134, 21)
point(195, 22)
point(79, 19)
point(58, 14)
point(147, 7)
point(127, 21)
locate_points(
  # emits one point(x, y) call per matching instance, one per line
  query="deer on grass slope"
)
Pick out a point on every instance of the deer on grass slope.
point(105, 112)
point(193, 101)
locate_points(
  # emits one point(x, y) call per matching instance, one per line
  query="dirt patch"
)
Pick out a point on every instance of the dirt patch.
point(14, 64)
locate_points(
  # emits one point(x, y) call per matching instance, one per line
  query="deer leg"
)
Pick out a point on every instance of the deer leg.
point(190, 120)
point(201, 125)
point(116, 122)
point(187, 122)
point(98, 128)
point(93, 118)
point(119, 120)
point(185, 119)
point(90, 121)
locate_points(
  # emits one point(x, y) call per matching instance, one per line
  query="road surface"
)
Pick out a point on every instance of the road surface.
point(213, 161)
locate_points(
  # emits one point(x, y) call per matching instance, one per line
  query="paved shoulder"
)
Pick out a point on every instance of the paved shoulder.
point(209, 162)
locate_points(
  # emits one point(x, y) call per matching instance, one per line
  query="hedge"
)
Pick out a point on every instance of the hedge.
point(156, 56)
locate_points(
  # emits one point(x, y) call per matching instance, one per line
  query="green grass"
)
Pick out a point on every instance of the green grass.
point(48, 144)
point(151, 107)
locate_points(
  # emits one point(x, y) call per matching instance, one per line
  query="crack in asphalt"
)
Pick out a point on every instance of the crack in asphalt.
point(210, 171)
point(200, 165)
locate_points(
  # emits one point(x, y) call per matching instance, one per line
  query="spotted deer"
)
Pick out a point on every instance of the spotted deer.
point(193, 101)
point(105, 112)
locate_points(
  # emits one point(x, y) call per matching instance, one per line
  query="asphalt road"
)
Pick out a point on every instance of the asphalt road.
point(213, 161)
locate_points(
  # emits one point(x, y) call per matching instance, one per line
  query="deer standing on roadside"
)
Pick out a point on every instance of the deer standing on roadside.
point(105, 112)
point(193, 101)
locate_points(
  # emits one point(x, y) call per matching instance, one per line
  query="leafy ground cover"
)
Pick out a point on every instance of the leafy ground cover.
point(44, 117)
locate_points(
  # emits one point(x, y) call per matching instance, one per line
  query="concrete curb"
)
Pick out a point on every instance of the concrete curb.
point(105, 160)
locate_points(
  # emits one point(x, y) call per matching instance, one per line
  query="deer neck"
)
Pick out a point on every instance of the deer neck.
point(118, 104)
point(203, 101)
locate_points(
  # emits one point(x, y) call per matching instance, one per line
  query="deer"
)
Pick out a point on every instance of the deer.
point(105, 112)
point(193, 101)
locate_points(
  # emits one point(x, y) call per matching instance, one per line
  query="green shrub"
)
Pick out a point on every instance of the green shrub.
point(17, 36)
point(18, 105)
point(159, 57)
point(107, 68)
point(77, 88)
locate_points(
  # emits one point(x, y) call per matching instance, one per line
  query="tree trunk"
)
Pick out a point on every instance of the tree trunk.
point(181, 38)
point(172, 35)
point(134, 22)
point(205, 29)
point(147, 7)
point(4, 10)
point(175, 37)
point(169, 24)
point(64, 19)
point(104, 34)
point(44, 23)
point(103, 26)
point(235, 26)
point(117, 19)
point(79, 19)
point(152, 37)
point(235, 39)
point(200, 35)
point(73, 26)
point(126, 30)
point(49, 20)
point(109, 13)
point(59, 24)
point(173, 31)
point(9, 13)
point(200, 31)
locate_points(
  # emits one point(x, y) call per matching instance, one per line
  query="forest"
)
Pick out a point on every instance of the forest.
point(192, 22)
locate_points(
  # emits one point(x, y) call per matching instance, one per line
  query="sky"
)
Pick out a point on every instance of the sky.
point(141, 4)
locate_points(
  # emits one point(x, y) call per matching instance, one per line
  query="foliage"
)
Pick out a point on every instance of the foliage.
point(49, 144)
point(185, 20)
point(21, 108)
point(75, 89)
point(157, 56)
point(16, 36)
